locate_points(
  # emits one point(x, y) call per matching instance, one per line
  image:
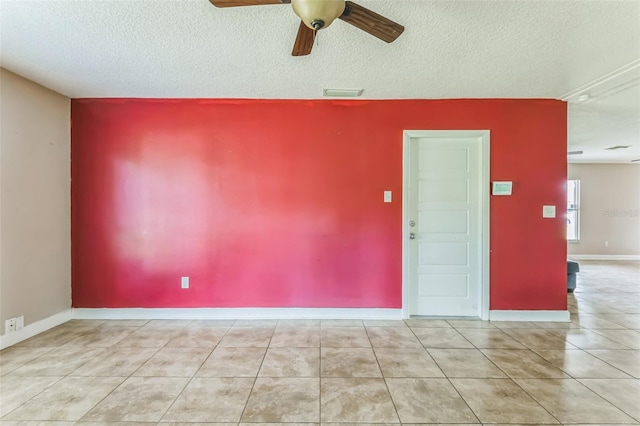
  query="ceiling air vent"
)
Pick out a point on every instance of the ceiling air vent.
point(611, 148)
point(343, 93)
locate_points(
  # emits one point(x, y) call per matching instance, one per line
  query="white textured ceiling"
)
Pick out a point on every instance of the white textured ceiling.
point(450, 49)
point(603, 122)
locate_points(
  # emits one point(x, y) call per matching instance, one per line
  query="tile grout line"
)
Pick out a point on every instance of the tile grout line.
point(192, 377)
point(507, 377)
point(384, 379)
point(125, 377)
point(255, 380)
point(427, 351)
point(610, 402)
point(618, 342)
point(586, 351)
point(463, 399)
point(608, 363)
point(53, 348)
point(512, 379)
point(25, 402)
point(63, 377)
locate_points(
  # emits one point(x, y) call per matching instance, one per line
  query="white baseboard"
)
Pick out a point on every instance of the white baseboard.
point(238, 313)
point(32, 329)
point(603, 256)
point(555, 316)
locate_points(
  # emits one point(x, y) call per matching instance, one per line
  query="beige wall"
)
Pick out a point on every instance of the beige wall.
point(35, 254)
point(610, 209)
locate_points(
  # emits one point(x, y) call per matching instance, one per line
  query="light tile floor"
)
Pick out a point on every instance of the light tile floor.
point(418, 371)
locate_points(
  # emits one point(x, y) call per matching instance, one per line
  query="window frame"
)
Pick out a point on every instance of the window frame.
point(575, 207)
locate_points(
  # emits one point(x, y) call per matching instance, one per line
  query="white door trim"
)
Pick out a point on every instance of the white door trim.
point(485, 140)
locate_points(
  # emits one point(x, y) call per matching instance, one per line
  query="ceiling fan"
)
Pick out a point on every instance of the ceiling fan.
point(319, 14)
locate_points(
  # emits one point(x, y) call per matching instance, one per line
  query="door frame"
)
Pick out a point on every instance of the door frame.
point(484, 135)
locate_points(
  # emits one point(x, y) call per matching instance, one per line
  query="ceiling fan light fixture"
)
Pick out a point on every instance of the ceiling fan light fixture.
point(318, 14)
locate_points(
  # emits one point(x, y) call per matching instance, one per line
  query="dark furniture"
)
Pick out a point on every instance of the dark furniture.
point(572, 270)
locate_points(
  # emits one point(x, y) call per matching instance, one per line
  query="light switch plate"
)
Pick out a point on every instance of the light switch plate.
point(549, 211)
point(387, 196)
point(184, 282)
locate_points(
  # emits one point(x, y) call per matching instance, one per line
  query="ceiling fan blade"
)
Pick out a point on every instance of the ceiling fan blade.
point(304, 41)
point(370, 22)
point(236, 3)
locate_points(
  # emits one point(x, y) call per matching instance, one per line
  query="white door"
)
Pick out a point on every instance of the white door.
point(445, 214)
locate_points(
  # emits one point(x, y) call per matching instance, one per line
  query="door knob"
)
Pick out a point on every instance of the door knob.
point(412, 236)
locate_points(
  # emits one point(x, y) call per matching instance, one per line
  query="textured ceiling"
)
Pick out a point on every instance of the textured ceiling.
point(450, 49)
point(604, 122)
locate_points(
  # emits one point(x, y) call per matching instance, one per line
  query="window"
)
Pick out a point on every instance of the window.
point(573, 210)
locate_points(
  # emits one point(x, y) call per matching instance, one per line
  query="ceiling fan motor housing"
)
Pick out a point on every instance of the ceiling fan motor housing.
point(317, 14)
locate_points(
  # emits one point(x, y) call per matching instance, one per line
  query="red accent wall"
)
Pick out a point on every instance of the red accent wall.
point(279, 203)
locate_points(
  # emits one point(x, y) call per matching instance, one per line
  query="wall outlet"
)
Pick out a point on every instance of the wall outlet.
point(184, 282)
point(10, 325)
point(19, 323)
